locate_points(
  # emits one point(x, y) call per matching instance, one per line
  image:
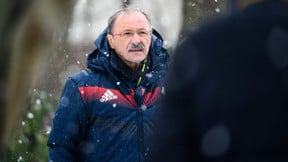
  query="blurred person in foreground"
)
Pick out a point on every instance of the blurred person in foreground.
point(106, 111)
point(227, 90)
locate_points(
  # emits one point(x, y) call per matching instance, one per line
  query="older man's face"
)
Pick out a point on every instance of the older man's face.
point(131, 38)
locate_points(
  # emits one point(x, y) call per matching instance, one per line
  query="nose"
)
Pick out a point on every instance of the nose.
point(135, 38)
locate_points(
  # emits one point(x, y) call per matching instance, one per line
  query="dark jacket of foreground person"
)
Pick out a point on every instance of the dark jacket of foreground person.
point(227, 95)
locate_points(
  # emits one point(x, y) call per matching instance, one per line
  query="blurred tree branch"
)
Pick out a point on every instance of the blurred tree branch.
point(26, 29)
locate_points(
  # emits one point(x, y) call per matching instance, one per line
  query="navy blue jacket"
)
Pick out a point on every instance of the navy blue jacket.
point(102, 115)
point(227, 93)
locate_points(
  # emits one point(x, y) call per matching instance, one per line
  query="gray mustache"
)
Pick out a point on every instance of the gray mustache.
point(135, 47)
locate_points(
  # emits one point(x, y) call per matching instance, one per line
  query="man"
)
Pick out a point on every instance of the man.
point(227, 90)
point(106, 111)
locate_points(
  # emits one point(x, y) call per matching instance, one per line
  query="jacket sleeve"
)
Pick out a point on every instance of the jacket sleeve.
point(69, 123)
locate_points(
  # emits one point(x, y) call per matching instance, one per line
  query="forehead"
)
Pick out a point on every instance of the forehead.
point(131, 21)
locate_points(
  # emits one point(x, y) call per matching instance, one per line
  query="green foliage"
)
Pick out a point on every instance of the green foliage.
point(28, 143)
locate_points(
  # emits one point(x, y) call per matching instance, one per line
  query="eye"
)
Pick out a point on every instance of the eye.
point(142, 33)
point(127, 34)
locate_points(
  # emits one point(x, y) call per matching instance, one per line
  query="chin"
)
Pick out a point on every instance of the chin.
point(138, 58)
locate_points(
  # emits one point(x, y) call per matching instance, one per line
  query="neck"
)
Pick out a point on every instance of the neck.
point(132, 65)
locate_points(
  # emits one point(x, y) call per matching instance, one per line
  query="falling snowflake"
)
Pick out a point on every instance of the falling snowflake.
point(38, 101)
point(48, 129)
point(30, 115)
point(191, 4)
point(143, 107)
point(64, 101)
point(20, 158)
point(149, 75)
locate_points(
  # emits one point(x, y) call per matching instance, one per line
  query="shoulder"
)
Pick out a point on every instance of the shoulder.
point(84, 77)
point(80, 75)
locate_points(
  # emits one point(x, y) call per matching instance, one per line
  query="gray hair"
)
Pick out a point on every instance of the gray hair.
point(112, 19)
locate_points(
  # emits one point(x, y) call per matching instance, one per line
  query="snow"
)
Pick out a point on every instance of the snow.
point(30, 115)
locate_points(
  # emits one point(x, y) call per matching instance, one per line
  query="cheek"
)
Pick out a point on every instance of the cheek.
point(148, 41)
point(121, 46)
point(147, 44)
point(124, 46)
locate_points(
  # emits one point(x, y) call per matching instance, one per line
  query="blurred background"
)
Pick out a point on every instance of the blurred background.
point(43, 42)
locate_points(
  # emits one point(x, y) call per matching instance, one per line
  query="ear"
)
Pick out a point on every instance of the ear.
point(110, 40)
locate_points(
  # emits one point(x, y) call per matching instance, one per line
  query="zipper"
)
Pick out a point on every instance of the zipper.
point(139, 98)
point(140, 134)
